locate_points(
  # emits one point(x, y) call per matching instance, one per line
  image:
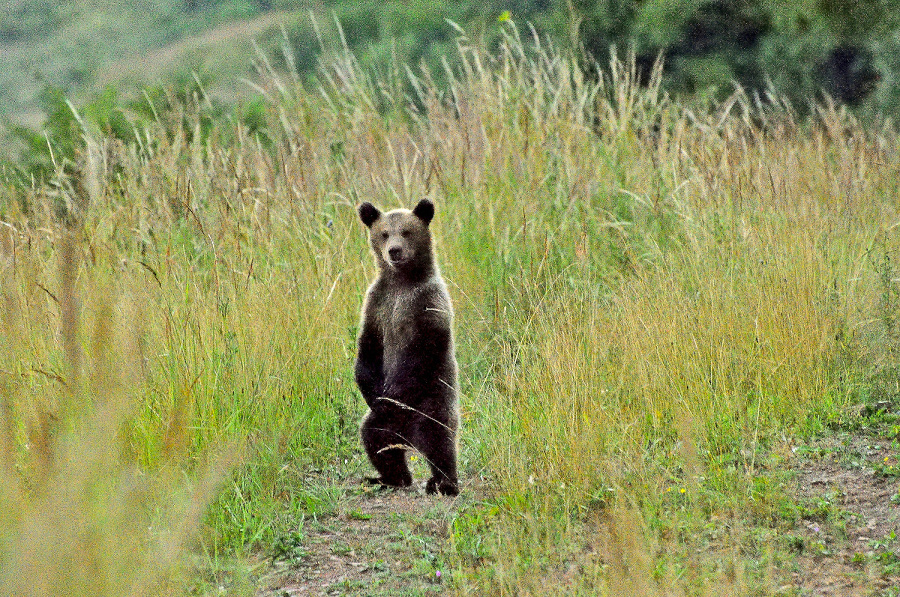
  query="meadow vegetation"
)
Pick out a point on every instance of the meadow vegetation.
point(655, 301)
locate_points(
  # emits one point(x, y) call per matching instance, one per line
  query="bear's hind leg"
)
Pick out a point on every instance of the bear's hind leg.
point(390, 462)
point(441, 457)
point(392, 468)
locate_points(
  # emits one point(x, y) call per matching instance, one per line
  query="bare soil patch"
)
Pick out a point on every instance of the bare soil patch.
point(847, 538)
point(846, 541)
point(380, 542)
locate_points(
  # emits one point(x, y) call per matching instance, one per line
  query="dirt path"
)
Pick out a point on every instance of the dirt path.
point(848, 539)
point(381, 542)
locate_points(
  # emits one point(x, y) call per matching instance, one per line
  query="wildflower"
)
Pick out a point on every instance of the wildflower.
point(504, 16)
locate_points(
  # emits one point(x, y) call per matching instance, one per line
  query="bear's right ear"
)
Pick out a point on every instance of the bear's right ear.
point(368, 213)
point(424, 210)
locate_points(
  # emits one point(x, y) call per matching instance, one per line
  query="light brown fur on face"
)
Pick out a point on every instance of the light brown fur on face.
point(405, 364)
point(399, 239)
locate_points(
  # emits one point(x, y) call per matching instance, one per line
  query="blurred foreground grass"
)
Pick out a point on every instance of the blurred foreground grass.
point(653, 301)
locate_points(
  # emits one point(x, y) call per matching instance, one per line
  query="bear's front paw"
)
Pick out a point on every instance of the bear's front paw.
point(444, 486)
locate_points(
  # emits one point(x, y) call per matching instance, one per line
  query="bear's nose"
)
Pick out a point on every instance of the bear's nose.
point(395, 253)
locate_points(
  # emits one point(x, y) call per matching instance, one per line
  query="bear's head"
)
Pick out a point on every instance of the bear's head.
point(401, 239)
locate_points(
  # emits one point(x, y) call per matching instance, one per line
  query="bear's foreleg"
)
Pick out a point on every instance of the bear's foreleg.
point(368, 372)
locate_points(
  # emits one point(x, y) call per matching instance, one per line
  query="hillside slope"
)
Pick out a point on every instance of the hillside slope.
point(79, 47)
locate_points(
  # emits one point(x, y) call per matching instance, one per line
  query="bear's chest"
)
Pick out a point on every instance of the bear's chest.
point(397, 316)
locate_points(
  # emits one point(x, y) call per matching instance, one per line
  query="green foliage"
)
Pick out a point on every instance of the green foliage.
point(803, 49)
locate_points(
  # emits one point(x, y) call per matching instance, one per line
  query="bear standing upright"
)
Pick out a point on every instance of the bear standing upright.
point(405, 365)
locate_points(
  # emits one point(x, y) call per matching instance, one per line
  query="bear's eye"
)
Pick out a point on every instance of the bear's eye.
point(384, 235)
point(404, 233)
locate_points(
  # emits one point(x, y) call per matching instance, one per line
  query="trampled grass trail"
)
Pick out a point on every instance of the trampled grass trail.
point(656, 301)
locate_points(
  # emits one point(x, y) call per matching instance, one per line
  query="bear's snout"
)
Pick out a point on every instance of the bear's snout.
point(395, 253)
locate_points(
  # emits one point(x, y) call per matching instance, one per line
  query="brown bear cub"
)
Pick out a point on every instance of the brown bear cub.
point(405, 366)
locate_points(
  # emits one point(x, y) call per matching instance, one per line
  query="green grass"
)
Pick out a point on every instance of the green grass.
point(651, 301)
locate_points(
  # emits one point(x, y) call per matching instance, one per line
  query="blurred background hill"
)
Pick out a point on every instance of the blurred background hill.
point(82, 49)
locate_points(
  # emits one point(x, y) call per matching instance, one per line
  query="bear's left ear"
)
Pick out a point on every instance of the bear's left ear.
point(424, 210)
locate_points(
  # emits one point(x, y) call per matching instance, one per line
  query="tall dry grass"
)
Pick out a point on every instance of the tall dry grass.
point(652, 299)
point(81, 516)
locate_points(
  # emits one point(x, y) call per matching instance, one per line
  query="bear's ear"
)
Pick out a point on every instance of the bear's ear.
point(368, 213)
point(424, 210)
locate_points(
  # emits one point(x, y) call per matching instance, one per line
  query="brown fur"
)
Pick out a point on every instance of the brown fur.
point(405, 365)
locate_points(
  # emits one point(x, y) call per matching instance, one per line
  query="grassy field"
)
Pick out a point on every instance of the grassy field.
point(656, 304)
